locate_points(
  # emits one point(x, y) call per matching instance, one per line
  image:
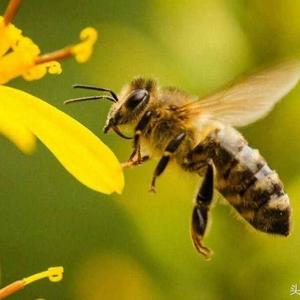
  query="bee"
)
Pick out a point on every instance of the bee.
point(200, 136)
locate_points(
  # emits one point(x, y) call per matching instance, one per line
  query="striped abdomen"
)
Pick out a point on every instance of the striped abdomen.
point(247, 182)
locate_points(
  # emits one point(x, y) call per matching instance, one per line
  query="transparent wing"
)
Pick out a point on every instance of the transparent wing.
point(251, 98)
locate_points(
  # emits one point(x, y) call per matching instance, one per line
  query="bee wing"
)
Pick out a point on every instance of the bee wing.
point(251, 98)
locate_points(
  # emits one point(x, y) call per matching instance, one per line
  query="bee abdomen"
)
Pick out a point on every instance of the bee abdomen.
point(271, 205)
point(247, 182)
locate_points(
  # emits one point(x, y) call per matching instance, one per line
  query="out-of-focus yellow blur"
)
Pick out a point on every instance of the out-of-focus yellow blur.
point(137, 245)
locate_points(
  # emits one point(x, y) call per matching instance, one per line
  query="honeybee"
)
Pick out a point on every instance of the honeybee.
point(200, 136)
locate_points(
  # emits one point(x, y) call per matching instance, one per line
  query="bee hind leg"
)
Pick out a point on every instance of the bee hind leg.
point(169, 151)
point(201, 210)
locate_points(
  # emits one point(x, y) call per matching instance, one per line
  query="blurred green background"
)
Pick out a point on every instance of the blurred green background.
point(137, 245)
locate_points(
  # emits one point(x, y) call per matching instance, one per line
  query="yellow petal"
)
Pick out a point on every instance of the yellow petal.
point(77, 149)
point(13, 129)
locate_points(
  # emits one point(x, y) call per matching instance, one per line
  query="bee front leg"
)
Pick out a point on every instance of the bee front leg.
point(201, 210)
point(136, 157)
point(162, 164)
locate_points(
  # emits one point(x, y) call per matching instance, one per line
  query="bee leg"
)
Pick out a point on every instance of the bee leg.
point(142, 124)
point(200, 212)
point(162, 164)
point(132, 162)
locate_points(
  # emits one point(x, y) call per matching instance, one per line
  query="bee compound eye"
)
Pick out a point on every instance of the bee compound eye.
point(136, 98)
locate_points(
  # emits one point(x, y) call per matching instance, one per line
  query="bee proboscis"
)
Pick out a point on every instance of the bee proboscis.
point(199, 135)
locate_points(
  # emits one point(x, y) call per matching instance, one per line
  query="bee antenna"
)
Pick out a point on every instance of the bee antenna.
point(89, 98)
point(90, 87)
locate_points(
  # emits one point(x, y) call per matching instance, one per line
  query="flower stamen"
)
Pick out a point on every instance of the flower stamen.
point(56, 55)
point(11, 11)
point(82, 51)
point(54, 274)
point(25, 59)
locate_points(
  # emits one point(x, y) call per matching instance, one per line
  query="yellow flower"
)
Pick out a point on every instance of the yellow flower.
point(24, 117)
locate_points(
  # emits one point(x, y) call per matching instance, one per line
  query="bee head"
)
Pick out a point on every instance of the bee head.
point(128, 107)
point(131, 103)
